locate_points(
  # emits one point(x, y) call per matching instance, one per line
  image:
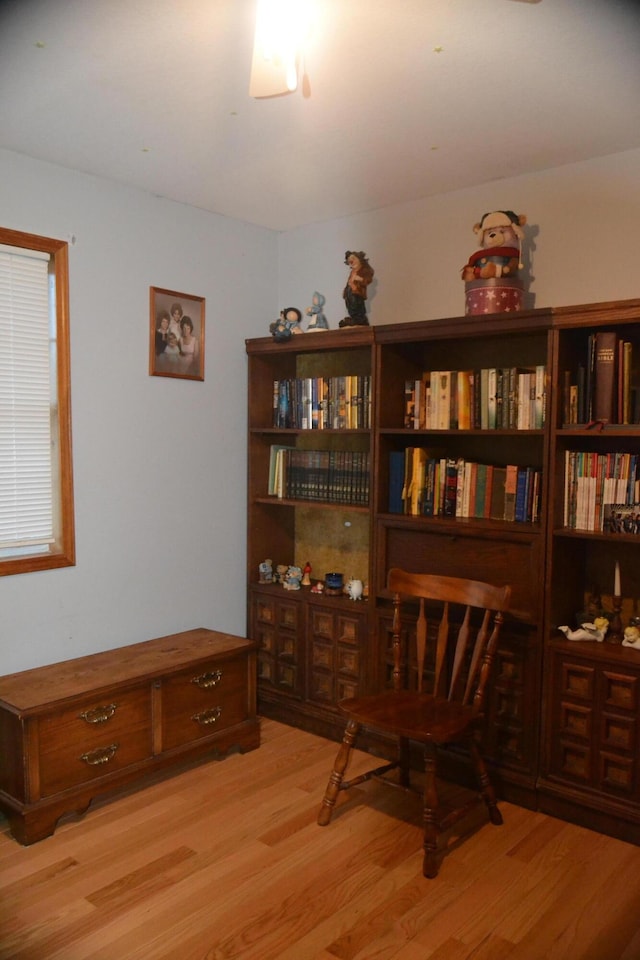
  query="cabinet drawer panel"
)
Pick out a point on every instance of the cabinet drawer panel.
point(616, 773)
point(266, 639)
point(348, 661)
point(93, 739)
point(576, 721)
point(200, 702)
point(287, 614)
point(495, 559)
point(577, 681)
point(265, 610)
point(321, 687)
point(322, 624)
point(322, 655)
point(620, 690)
point(619, 733)
point(573, 762)
point(349, 629)
point(509, 743)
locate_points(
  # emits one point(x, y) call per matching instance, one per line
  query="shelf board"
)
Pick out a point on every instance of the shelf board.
point(569, 534)
point(456, 524)
point(321, 504)
point(600, 430)
point(411, 432)
point(296, 431)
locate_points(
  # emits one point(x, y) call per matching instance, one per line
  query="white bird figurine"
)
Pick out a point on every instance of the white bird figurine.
point(588, 631)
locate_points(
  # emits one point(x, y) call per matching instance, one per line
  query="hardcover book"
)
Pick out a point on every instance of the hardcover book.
point(604, 393)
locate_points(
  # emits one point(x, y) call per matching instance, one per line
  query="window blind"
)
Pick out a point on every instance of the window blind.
point(26, 400)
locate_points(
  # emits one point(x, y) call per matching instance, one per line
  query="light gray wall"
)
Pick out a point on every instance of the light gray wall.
point(159, 464)
point(581, 244)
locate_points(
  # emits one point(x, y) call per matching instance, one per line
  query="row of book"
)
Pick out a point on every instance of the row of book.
point(492, 398)
point(593, 482)
point(424, 485)
point(331, 476)
point(323, 403)
point(603, 387)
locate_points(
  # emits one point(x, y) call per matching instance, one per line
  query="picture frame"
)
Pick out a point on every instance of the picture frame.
point(621, 518)
point(174, 349)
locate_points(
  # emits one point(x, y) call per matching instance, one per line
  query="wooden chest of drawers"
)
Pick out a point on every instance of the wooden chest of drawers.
point(72, 730)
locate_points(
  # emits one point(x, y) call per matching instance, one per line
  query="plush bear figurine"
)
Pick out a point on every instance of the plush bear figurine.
point(500, 234)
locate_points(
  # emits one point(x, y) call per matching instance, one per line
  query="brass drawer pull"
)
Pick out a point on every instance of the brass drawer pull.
point(207, 717)
point(101, 755)
point(208, 680)
point(99, 714)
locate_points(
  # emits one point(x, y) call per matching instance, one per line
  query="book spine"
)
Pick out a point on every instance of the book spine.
point(396, 478)
point(604, 395)
point(450, 488)
point(492, 385)
point(522, 482)
point(510, 487)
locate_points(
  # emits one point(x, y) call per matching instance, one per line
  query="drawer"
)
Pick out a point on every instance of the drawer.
point(199, 702)
point(94, 738)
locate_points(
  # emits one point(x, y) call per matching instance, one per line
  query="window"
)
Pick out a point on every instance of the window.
point(36, 484)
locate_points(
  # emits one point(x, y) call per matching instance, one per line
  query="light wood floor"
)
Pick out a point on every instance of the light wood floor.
point(224, 861)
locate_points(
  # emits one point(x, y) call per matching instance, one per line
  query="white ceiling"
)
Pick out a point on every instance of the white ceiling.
point(407, 98)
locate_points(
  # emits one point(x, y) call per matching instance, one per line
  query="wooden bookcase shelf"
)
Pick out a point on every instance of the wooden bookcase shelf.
point(552, 568)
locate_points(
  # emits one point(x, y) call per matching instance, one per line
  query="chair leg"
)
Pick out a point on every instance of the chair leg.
point(430, 862)
point(486, 787)
point(337, 774)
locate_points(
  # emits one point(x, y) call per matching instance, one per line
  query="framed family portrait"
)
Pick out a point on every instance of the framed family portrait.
point(176, 334)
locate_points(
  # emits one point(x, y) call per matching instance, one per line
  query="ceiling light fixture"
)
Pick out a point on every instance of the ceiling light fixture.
point(282, 27)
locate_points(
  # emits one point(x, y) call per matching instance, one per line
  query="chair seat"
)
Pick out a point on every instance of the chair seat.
point(418, 716)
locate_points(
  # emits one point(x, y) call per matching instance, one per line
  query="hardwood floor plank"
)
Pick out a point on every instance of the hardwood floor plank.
point(225, 861)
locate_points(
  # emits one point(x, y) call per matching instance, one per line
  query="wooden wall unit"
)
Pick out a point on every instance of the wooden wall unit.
point(589, 767)
point(73, 730)
point(536, 727)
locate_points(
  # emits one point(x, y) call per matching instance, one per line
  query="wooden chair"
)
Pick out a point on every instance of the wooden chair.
point(455, 656)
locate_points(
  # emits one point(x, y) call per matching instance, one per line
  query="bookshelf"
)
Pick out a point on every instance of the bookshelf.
point(589, 755)
point(311, 398)
point(455, 538)
point(563, 719)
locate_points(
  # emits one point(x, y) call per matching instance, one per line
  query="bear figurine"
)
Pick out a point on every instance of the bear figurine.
point(500, 234)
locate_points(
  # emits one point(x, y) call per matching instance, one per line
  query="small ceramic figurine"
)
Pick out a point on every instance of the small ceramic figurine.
point(355, 589)
point(292, 578)
point(355, 291)
point(631, 637)
point(281, 572)
point(266, 571)
point(318, 320)
point(588, 631)
point(306, 575)
point(288, 324)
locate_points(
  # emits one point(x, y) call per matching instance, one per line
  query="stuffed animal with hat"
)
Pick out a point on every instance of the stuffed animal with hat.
point(500, 234)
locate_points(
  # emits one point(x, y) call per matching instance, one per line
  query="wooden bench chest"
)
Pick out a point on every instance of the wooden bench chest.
point(72, 730)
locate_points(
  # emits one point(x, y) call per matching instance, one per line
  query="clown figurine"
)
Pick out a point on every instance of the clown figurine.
point(355, 291)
